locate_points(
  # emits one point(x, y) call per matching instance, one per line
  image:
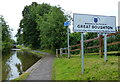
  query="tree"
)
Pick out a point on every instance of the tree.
point(27, 33)
point(42, 27)
point(53, 34)
point(28, 25)
point(6, 35)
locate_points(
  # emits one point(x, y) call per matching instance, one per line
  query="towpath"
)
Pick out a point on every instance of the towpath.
point(42, 70)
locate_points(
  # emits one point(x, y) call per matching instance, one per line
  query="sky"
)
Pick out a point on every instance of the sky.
point(12, 9)
point(119, 14)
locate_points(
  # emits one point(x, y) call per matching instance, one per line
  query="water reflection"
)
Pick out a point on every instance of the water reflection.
point(15, 63)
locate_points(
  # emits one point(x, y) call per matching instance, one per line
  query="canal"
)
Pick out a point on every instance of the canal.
point(16, 62)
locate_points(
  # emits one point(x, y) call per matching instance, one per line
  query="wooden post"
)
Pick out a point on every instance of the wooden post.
point(56, 52)
point(101, 46)
point(61, 52)
point(66, 50)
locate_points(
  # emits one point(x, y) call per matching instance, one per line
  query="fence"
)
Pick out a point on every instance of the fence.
point(62, 51)
point(90, 47)
point(100, 45)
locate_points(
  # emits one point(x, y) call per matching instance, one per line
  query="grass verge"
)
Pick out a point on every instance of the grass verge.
point(95, 68)
point(32, 51)
point(22, 77)
point(47, 51)
point(29, 50)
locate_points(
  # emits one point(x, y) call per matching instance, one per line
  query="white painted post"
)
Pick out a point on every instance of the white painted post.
point(105, 47)
point(61, 52)
point(57, 53)
point(68, 45)
point(82, 52)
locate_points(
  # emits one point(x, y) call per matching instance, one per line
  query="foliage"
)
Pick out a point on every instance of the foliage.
point(87, 36)
point(42, 27)
point(27, 33)
point(111, 39)
point(52, 32)
point(91, 43)
point(75, 38)
point(7, 42)
point(95, 68)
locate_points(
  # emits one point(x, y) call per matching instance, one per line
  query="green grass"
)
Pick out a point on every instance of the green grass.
point(23, 76)
point(0, 69)
point(34, 52)
point(95, 68)
point(47, 51)
point(29, 50)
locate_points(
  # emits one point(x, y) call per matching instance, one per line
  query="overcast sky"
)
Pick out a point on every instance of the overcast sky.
point(12, 9)
point(119, 14)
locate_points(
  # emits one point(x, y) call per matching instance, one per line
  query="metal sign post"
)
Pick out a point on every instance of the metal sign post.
point(105, 47)
point(93, 23)
point(67, 23)
point(82, 52)
point(68, 45)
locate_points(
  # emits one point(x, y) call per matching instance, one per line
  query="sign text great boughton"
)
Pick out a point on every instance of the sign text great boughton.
point(94, 23)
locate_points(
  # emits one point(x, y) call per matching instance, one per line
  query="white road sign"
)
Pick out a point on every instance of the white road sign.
point(94, 23)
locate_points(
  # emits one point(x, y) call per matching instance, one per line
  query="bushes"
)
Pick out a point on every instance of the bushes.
point(6, 46)
point(87, 36)
point(112, 39)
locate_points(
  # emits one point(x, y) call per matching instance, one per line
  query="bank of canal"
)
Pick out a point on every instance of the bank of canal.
point(16, 62)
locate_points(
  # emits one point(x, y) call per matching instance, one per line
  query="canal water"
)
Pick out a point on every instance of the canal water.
point(16, 62)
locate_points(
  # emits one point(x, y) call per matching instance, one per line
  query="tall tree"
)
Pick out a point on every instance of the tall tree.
point(28, 24)
point(42, 26)
point(53, 34)
point(6, 35)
